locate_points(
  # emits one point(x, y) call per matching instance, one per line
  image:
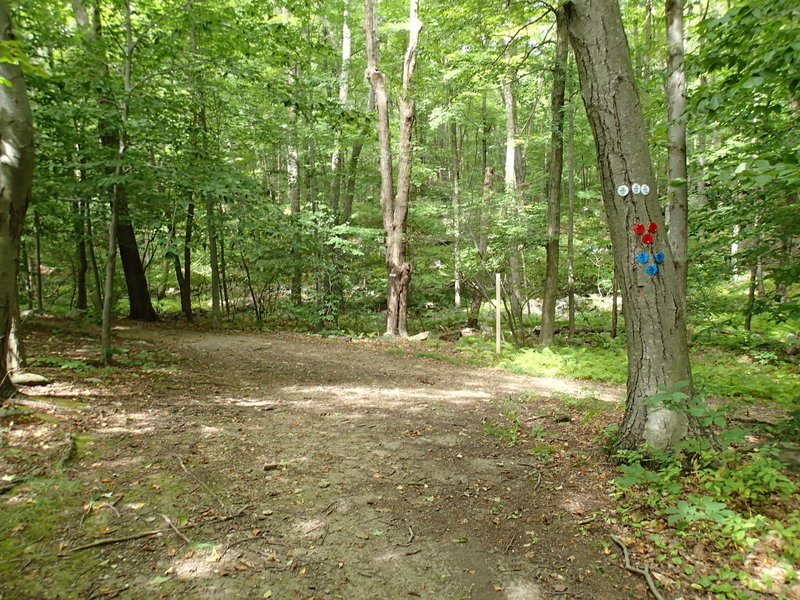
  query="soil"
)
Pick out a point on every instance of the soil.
point(288, 466)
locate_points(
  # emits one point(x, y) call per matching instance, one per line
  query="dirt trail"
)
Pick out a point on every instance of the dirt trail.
point(350, 472)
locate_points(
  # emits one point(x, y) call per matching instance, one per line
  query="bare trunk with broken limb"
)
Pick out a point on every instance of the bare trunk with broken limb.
point(394, 205)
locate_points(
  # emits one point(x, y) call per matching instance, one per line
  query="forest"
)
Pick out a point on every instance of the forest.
point(576, 218)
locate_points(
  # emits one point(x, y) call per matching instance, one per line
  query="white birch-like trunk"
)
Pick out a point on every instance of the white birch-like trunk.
point(511, 180)
point(677, 175)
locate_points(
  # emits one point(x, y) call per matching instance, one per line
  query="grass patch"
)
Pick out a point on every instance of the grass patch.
point(738, 376)
point(32, 518)
point(606, 365)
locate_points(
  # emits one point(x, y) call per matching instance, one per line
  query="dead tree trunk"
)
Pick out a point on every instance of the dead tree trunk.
point(394, 205)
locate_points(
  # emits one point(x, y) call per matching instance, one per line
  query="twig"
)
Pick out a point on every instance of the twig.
point(113, 509)
point(177, 531)
point(644, 572)
point(86, 513)
point(410, 535)
point(510, 543)
point(205, 487)
point(108, 595)
point(144, 534)
point(127, 538)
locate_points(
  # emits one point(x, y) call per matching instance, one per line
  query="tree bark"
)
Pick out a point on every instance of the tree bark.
point(82, 263)
point(294, 208)
point(141, 306)
point(111, 137)
point(571, 216)
point(37, 233)
point(678, 190)
point(657, 345)
point(394, 206)
point(455, 177)
point(512, 189)
point(16, 173)
point(98, 290)
point(15, 349)
point(556, 167)
point(185, 277)
point(344, 88)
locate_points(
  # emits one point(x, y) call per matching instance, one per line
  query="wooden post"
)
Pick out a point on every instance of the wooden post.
point(497, 300)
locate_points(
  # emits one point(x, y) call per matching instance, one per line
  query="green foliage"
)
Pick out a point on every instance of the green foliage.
point(725, 496)
point(597, 364)
point(61, 363)
point(507, 429)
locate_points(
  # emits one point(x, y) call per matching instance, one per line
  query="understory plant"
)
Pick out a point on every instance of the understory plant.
point(739, 501)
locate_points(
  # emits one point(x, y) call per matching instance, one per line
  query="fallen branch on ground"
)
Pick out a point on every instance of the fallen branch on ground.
point(177, 531)
point(644, 572)
point(143, 534)
point(202, 483)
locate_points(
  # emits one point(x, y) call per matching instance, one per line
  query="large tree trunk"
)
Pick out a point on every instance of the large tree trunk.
point(678, 191)
point(294, 207)
point(16, 173)
point(394, 206)
point(657, 345)
point(555, 169)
